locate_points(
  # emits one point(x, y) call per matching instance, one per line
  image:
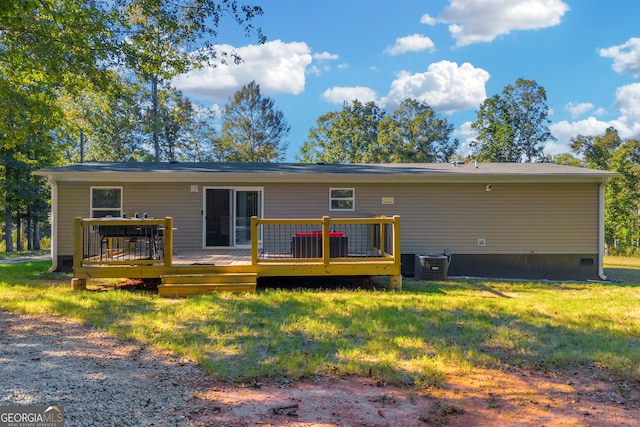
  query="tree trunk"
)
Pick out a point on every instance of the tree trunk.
point(8, 228)
point(19, 247)
point(36, 235)
point(28, 229)
point(156, 140)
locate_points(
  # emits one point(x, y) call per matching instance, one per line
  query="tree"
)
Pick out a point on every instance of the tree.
point(622, 209)
point(347, 136)
point(364, 133)
point(513, 126)
point(114, 126)
point(46, 47)
point(597, 151)
point(187, 130)
point(198, 136)
point(51, 49)
point(415, 133)
point(253, 130)
point(167, 38)
point(566, 159)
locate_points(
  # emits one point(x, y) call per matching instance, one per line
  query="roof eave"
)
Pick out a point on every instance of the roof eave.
point(244, 177)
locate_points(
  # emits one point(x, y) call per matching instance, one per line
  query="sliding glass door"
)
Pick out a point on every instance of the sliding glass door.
point(228, 213)
point(248, 204)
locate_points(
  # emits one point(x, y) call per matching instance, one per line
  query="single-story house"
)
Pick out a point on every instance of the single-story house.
point(506, 220)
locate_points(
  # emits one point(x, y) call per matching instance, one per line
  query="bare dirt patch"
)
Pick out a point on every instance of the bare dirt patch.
point(54, 360)
point(516, 397)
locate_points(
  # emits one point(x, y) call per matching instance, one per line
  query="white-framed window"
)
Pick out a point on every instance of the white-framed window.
point(106, 201)
point(342, 199)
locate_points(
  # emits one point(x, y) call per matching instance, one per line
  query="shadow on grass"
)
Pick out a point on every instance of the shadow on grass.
point(319, 282)
point(413, 337)
point(403, 343)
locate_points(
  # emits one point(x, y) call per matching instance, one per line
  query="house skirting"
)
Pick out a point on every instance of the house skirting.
point(64, 264)
point(517, 266)
point(548, 266)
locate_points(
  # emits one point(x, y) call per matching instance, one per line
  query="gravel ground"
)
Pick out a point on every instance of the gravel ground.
point(98, 379)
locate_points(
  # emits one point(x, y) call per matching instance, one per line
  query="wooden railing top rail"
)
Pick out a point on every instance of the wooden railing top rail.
point(123, 221)
point(289, 221)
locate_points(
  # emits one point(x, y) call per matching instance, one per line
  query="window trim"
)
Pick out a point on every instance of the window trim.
point(352, 199)
point(105, 187)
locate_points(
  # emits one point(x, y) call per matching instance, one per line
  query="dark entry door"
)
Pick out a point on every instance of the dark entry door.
point(218, 217)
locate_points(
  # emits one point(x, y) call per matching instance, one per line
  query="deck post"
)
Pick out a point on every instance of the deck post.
point(78, 237)
point(168, 241)
point(78, 284)
point(395, 282)
point(396, 238)
point(254, 240)
point(382, 246)
point(326, 239)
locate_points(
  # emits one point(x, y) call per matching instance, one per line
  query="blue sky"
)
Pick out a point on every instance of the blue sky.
point(452, 54)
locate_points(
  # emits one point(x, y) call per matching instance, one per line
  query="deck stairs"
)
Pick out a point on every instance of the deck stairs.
point(177, 285)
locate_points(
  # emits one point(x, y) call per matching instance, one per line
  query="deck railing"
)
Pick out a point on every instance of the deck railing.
point(142, 248)
point(122, 241)
point(325, 240)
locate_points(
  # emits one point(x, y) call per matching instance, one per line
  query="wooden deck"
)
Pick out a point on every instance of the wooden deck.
point(213, 257)
point(375, 252)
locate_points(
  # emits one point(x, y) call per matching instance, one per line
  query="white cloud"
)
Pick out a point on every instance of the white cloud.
point(445, 86)
point(320, 65)
point(276, 66)
point(628, 101)
point(627, 124)
point(578, 109)
point(412, 43)
point(474, 21)
point(465, 135)
point(428, 19)
point(565, 130)
point(626, 57)
point(325, 56)
point(315, 70)
point(338, 95)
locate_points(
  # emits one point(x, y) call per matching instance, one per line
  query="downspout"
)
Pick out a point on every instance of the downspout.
point(601, 243)
point(54, 225)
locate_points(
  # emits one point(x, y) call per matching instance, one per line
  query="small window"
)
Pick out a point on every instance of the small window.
point(106, 201)
point(342, 199)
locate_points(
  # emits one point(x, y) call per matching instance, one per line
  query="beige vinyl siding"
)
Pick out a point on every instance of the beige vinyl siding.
point(74, 200)
point(158, 200)
point(304, 201)
point(512, 218)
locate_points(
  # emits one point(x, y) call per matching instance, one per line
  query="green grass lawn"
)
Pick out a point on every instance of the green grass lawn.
point(418, 336)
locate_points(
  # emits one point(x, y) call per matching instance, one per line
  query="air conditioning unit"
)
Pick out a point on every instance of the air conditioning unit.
point(431, 267)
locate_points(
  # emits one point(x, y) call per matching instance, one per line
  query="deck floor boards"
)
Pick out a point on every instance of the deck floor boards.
point(213, 256)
